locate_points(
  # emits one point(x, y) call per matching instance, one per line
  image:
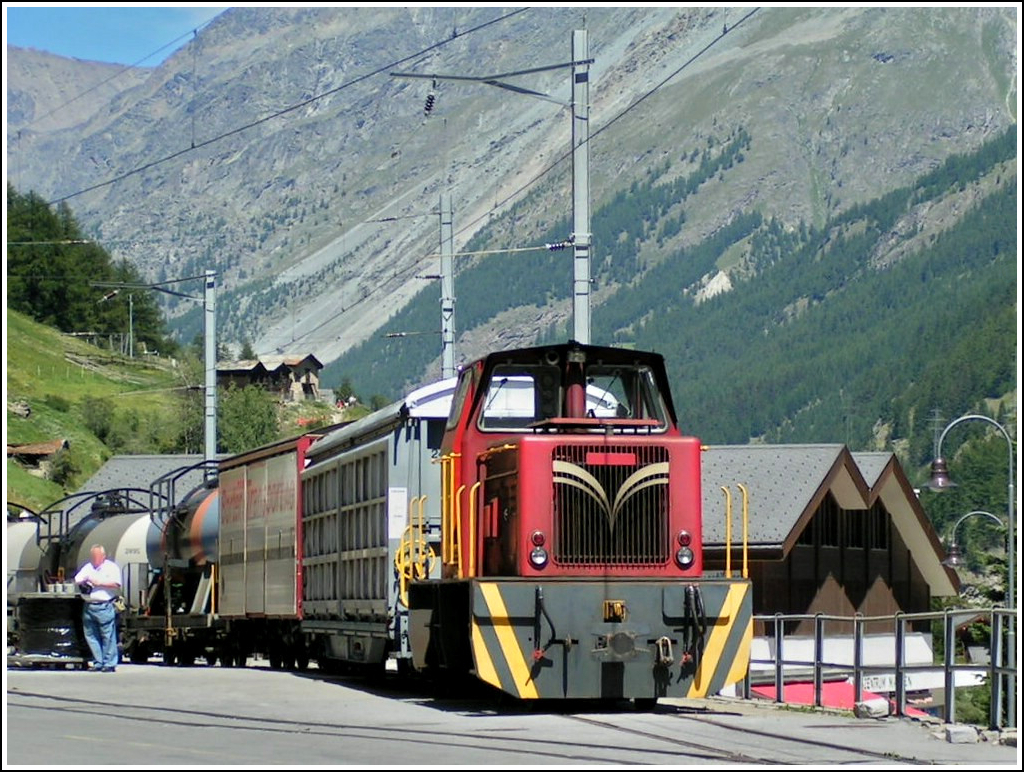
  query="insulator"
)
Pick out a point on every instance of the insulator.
point(429, 105)
point(557, 246)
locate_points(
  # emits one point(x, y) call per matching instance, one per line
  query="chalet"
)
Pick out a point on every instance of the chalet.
point(289, 377)
point(830, 532)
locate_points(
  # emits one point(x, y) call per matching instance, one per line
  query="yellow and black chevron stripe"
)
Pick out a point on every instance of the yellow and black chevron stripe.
point(505, 616)
point(726, 656)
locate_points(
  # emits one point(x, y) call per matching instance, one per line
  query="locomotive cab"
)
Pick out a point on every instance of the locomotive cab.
point(568, 459)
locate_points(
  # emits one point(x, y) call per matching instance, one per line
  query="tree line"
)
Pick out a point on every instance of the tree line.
point(54, 273)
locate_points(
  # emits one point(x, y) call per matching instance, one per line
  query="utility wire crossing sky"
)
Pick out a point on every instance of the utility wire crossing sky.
point(131, 36)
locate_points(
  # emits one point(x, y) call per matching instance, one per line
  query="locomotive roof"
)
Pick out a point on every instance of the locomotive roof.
point(604, 353)
point(607, 355)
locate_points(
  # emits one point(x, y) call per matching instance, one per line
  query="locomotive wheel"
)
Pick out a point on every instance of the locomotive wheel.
point(302, 661)
point(139, 654)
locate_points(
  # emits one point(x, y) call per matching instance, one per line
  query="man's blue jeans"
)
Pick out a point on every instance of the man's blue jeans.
point(99, 622)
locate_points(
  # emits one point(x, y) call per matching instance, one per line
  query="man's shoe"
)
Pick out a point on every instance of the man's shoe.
point(107, 670)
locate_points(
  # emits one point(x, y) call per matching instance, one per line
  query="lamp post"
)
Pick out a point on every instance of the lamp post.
point(940, 482)
point(954, 557)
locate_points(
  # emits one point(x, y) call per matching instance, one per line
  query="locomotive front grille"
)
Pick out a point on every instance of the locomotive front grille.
point(610, 505)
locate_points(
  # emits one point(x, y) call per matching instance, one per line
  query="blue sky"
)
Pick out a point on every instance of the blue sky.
point(122, 35)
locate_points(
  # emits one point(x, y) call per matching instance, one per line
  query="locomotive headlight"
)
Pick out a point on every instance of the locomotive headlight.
point(539, 557)
point(684, 557)
point(684, 538)
point(537, 538)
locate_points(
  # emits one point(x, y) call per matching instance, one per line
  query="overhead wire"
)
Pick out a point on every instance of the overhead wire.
point(299, 105)
point(525, 186)
point(568, 154)
point(119, 73)
point(629, 108)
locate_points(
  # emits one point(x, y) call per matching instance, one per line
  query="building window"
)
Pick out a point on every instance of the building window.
point(829, 514)
point(856, 523)
point(878, 528)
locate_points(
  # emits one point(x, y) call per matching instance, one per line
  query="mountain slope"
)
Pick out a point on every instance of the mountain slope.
point(845, 103)
point(279, 149)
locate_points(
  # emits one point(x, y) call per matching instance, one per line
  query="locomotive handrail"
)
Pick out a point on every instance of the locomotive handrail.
point(414, 557)
point(746, 523)
point(456, 533)
point(728, 532)
point(472, 527)
point(728, 529)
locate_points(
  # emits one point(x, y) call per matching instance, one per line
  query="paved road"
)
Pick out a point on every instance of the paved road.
point(151, 715)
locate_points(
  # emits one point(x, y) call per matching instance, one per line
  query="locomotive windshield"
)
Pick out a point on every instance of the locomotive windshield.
point(519, 396)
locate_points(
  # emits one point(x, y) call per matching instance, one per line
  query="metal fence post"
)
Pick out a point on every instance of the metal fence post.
point(995, 677)
point(949, 710)
point(779, 683)
point(858, 659)
point(901, 689)
point(819, 655)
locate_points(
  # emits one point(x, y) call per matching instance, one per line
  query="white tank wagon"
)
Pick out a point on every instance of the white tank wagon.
point(24, 557)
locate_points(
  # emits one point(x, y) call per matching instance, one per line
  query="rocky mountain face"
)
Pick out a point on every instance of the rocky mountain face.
point(289, 150)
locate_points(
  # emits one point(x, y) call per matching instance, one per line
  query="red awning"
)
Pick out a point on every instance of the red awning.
point(834, 694)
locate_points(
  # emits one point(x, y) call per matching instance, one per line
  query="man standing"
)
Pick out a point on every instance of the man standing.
point(100, 582)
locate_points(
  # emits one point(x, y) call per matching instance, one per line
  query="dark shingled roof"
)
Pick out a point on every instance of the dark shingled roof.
point(781, 481)
point(142, 471)
point(787, 483)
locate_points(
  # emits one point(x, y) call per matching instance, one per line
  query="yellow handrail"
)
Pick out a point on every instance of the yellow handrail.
point(472, 527)
point(422, 545)
point(457, 533)
point(728, 532)
point(445, 496)
point(415, 557)
point(746, 520)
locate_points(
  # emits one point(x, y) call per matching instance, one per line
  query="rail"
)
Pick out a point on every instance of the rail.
point(999, 673)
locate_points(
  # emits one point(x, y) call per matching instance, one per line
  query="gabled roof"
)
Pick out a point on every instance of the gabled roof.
point(270, 363)
point(289, 360)
point(37, 448)
point(240, 366)
point(787, 483)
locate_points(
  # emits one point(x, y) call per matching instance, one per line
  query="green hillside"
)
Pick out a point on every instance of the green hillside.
point(107, 404)
point(100, 402)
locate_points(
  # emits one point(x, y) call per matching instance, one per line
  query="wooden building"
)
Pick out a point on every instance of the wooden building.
point(830, 532)
point(289, 377)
